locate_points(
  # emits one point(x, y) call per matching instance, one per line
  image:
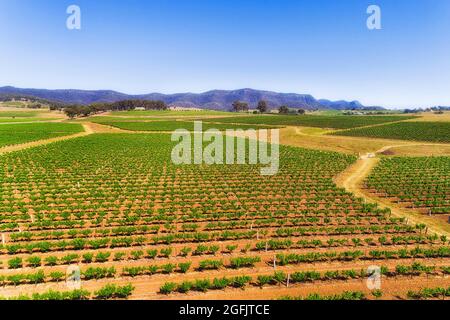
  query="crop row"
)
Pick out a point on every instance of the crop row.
point(109, 291)
point(417, 131)
point(280, 277)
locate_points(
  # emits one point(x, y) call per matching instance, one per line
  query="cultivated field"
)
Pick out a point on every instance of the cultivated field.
point(11, 134)
point(174, 125)
point(334, 122)
point(418, 183)
point(140, 227)
point(417, 131)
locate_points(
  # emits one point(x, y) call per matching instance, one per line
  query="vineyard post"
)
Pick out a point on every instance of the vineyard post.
point(274, 262)
point(3, 239)
point(288, 280)
point(266, 245)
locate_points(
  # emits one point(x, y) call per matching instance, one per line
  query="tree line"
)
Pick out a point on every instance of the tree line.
point(262, 107)
point(73, 111)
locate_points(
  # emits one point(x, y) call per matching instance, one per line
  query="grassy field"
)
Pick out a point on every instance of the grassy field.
point(169, 113)
point(11, 134)
point(334, 122)
point(18, 114)
point(18, 120)
point(22, 114)
point(109, 119)
point(174, 125)
point(416, 131)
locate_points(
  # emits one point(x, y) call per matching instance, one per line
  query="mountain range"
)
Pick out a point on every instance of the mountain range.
point(215, 99)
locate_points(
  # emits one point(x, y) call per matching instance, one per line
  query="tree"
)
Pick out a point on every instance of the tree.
point(72, 111)
point(283, 109)
point(262, 106)
point(301, 111)
point(85, 111)
point(239, 106)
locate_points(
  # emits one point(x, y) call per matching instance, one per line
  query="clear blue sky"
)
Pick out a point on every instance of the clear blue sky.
point(319, 47)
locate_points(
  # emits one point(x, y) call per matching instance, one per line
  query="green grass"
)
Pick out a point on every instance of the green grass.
point(11, 134)
point(108, 119)
point(416, 131)
point(168, 113)
point(15, 120)
point(18, 114)
point(174, 125)
point(334, 122)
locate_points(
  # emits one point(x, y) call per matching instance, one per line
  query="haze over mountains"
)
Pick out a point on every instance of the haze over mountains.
point(215, 99)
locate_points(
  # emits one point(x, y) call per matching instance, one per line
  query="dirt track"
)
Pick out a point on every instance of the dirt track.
point(353, 178)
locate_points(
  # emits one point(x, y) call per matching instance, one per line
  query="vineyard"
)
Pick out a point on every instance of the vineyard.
point(174, 125)
point(416, 131)
point(334, 122)
point(11, 134)
point(168, 113)
point(140, 227)
point(421, 183)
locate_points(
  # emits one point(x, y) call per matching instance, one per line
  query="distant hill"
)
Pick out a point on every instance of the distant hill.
point(215, 100)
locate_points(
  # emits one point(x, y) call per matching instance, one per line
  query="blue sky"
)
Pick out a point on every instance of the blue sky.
point(321, 47)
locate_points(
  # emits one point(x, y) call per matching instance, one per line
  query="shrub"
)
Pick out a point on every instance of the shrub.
point(166, 252)
point(377, 294)
point(214, 249)
point(51, 261)
point(111, 291)
point(70, 258)
point(102, 256)
point(57, 276)
point(184, 287)
point(242, 262)
point(151, 254)
point(87, 257)
point(136, 255)
point(210, 264)
point(202, 285)
point(201, 249)
point(15, 263)
point(168, 288)
point(185, 251)
point(99, 273)
point(34, 261)
point(168, 268)
point(263, 280)
point(119, 256)
point(38, 277)
point(240, 282)
point(184, 267)
point(220, 283)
